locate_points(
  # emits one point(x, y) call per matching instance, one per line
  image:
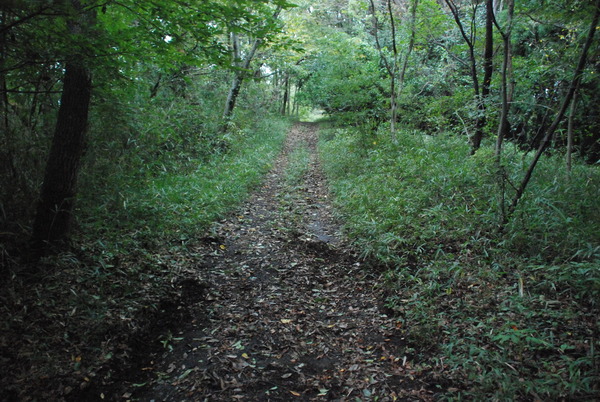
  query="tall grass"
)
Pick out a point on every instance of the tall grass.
point(173, 203)
point(513, 312)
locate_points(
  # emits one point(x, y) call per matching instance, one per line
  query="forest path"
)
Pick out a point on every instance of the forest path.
point(289, 313)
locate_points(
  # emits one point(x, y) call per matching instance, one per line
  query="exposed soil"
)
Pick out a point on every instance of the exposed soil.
point(281, 310)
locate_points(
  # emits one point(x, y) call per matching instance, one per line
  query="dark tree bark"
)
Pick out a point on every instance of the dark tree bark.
point(54, 211)
point(55, 206)
point(505, 91)
point(4, 102)
point(506, 96)
point(154, 89)
point(411, 44)
point(488, 69)
point(488, 53)
point(286, 95)
point(393, 98)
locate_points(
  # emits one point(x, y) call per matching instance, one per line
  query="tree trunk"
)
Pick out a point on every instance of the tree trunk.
point(236, 83)
point(289, 91)
point(54, 211)
point(488, 54)
point(480, 121)
point(390, 67)
point(410, 46)
point(4, 104)
point(393, 99)
point(570, 133)
point(286, 94)
point(234, 91)
point(409, 49)
point(55, 206)
point(154, 89)
point(393, 110)
point(240, 73)
point(296, 104)
point(506, 95)
point(488, 69)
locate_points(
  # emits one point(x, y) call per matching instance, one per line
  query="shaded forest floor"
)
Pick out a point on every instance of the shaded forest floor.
point(281, 308)
point(271, 303)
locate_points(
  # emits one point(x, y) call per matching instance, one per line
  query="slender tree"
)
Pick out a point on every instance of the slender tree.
point(506, 88)
point(241, 66)
point(506, 99)
point(409, 48)
point(570, 129)
point(480, 91)
point(241, 69)
point(488, 70)
point(397, 75)
point(4, 102)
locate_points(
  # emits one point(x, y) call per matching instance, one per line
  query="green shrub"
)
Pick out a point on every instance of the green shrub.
point(515, 310)
point(170, 204)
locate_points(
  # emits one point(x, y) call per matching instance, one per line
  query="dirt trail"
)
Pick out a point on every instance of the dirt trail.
point(288, 314)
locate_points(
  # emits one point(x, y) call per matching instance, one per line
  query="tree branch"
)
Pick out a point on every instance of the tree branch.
point(377, 43)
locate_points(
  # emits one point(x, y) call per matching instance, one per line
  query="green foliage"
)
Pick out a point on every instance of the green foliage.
point(189, 33)
point(557, 219)
point(346, 81)
point(395, 192)
point(131, 48)
point(426, 190)
point(514, 309)
point(513, 312)
point(438, 91)
point(181, 198)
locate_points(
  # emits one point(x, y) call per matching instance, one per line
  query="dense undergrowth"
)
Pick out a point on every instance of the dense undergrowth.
point(503, 314)
point(77, 315)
